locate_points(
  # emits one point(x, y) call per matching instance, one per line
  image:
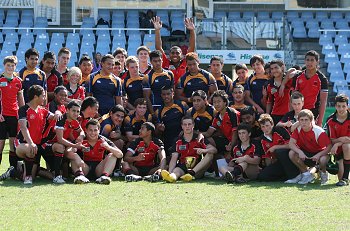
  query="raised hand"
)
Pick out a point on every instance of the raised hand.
point(189, 24)
point(157, 23)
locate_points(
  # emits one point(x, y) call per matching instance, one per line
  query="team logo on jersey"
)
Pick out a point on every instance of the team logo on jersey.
point(3, 84)
point(32, 116)
point(268, 145)
point(273, 90)
point(238, 153)
point(98, 81)
point(198, 118)
point(300, 81)
point(189, 83)
point(182, 147)
point(130, 85)
point(141, 149)
point(172, 67)
point(218, 123)
point(156, 81)
point(315, 83)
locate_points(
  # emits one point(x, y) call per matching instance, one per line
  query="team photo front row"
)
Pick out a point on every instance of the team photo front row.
point(172, 143)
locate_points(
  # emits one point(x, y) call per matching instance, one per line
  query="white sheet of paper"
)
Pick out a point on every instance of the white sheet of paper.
point(221, 163)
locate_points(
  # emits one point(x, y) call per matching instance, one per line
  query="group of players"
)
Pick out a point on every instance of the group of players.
point(154, 118)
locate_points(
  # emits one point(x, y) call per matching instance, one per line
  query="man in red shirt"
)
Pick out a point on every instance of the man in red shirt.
point(32, 120)
point(176, 63)
point(338, 127)
point(309, 146)
point(312, 84)
point(193, 146)
point(11, 97)
point(145, 156)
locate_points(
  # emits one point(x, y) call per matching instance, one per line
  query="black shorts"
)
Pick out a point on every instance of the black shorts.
point(45, 151)
point(144, 170)
point(8, 128)
point(92, 169)
point(220, 143)
point(309, 162)
point(183, 166)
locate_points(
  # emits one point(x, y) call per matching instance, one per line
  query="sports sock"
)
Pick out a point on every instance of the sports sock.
point(79, 173)
point(346, 169)
point(57, 163)
point(191, 172)
point(13, 159)
point(29, 165)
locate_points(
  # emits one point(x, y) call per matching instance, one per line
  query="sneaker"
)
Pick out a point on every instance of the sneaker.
point(342, 182)
point(152, 178)
point(229, 177)
point(167, 177)
point(132, 177)
point(7, 174)
point(81, 180)
point(28, 180)
point(187, 177)
point(307, 178)
point(324, 177)
point(241, 180)
point(294, 180)
point(58, 180)
point(118, 173)
point(103, 180)
point(210, 174)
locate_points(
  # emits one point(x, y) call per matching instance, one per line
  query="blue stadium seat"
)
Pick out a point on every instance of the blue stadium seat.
point(89, 20)
point(297, 23)
point(277, 15)
point(72, 46)
point(105, 14)
point(103, 47)
point(55, 47)
point(57, 38)
point(345, 58)
point(291, 15)
point(312, 24)
point(248, 15)
point(23, 46)
point(299, 32)
point(313, 33)
point(218, 15)
point(320, 15)
point(135, 38)
point(88, 38)
point(337, 76)
point(331, 57)
point(346, 68)
point(327, 24)
point(307, 15)
point(44, 37)
point(73, 37)
point(342, 24)
point(262, 15)
point(132, 47)
point(234, 15)
point(13, 12)
point(340, 39)
point(344, 48)
point(334, 66)
point(118, 15)
point(27, 12)
point(118, 24)
point(104, 38)
point(325, 39)
point(336, 15)
point(117, 44)
point(40, 46)
point(27, 37)
point(12, 37)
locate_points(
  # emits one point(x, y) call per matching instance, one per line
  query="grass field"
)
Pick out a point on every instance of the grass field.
point(206, 204)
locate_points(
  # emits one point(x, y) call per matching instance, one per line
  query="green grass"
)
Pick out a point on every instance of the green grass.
point(206, 204)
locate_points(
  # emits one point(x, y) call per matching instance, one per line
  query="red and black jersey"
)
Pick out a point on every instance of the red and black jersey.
point(53, 80)
point(36, 121)
point(280, 105)
point(337, 129)
point(289, 116)
point(79, 93)
point(149, 68)
point(311, 88)
point(123, 74)
point(228, 123)
point(53, 107)
point(9, 89)
point(65, 77)
point(68, 128)
point(312, 141)
point(186, 149)
point(253, 150)
point(95, 153)
point(139, 146)
point(202, 120)
point(280, 136)
point(83, 121)
point(178, 71)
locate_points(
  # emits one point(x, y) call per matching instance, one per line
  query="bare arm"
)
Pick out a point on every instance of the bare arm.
point(20, 99)
point(118, 100)
point(162, 158)
point(173, 161)
point(65, 142)
point(147, 95)
point(179, 95)
point(192, 28)
point(209, 132)
point(158, 40)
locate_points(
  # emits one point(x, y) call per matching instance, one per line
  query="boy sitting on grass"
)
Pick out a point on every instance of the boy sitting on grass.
point(246, 158)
